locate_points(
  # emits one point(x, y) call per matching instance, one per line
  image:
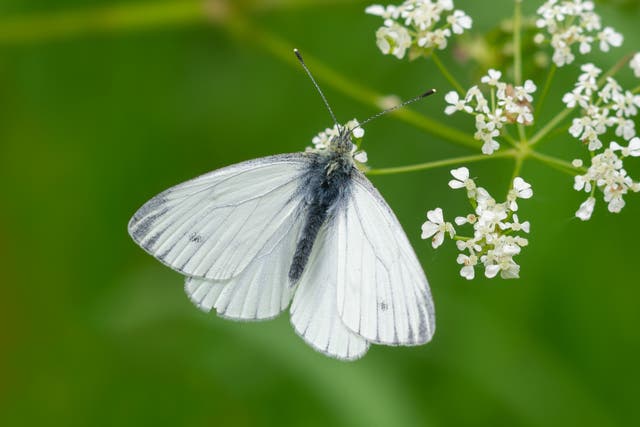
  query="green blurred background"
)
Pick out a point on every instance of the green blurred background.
point(105, 103)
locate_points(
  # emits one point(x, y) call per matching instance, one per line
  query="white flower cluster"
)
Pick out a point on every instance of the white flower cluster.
point(496, 226)
point(568, 23)
point(322, 141)
point(607, 173)
point(415, 25)
point(507, 105)
point(603, 108)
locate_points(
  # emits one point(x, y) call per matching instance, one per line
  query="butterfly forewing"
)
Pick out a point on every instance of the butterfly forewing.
point(214, 226)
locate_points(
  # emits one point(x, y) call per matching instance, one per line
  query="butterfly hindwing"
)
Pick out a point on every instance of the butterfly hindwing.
point(314, 313)
point(382, 292)
point(262, 290)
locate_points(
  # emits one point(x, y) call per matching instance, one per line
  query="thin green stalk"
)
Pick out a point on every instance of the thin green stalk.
point(518, 167)
point(516, 170)
point(35, 28)
point(441, 163)
point(522, 134)
point(545, 90)
point(507, 136)
point(517, 44)
point(555, 163)
point(447, 75)
point(129, 16)
point(549, 126)
point(616, 67)
point(493, 99)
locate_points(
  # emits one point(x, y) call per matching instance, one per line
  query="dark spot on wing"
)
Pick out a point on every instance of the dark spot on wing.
point(195, 238)
point(383, 306)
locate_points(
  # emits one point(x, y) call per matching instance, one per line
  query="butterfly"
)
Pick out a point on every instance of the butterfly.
point(307, 230)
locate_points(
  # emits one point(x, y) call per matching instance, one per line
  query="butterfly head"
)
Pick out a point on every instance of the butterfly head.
point(341, 143)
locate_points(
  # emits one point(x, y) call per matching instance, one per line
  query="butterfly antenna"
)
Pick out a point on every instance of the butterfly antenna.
point(299, 56)
point(396, 107)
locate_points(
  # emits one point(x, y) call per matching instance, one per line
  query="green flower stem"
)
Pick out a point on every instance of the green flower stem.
point(517, 27)
point(447, 75)
point(616, 67)
point(123, 17)
point(549, 126)
point(507, 136)
point(516, 172)
point(442, 163)
point(545, 90)
point(522, 134)
point(555, 163)
point(517, 168)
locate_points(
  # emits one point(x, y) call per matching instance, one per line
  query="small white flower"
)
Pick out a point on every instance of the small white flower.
point(491, 271)
point(457, 104)
point(490, 145)
point(590, 73)
point(468, 262)
point(582, 182)
point(361, 156)
point(573, 98)
point(492, 78)
point(633, 149)
point(459, 21)
point(520, 190)
point(586, 209)
point(469, 219)
point(626, 128)
point(358, 133)
point(523, 93)
point(462, 179)
point(393, 40)
point(436, 227)
point(378, 10)
point(516, 225)
point(523, 189)
point(609, 37)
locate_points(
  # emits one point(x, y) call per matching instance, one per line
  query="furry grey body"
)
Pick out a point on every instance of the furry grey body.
point(326, 186)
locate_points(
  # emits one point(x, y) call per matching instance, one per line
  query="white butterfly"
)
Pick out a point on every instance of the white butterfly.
point(307, 227)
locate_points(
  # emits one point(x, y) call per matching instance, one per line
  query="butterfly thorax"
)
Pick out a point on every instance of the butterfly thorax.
point(325, 188)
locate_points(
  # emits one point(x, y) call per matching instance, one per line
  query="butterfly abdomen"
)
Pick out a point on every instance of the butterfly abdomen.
point(326, 185)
